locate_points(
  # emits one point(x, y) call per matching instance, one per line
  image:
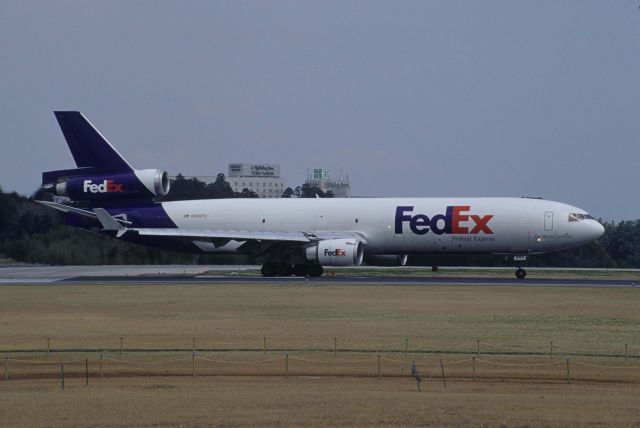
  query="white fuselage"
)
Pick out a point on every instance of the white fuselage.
point(404, 225)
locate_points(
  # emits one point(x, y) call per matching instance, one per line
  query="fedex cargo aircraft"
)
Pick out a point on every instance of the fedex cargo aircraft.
point(299, 236)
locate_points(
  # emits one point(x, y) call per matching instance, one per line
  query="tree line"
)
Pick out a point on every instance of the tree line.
point(183, 189)
point(32, 233)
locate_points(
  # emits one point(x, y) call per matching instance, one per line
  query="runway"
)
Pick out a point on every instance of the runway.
point(247, 275)
point(353, 280)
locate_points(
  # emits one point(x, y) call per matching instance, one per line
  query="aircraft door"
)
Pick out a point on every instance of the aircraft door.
point(548, 221)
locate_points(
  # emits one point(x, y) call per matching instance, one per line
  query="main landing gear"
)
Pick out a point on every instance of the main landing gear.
point(521, 273)
point(286, 269)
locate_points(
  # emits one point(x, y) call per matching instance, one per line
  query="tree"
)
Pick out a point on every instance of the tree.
point(246, 193)
point(8, 215)
point(221, 188)
point(624, 244)
point(185, 189)
point(288, 193)
point(309, 191)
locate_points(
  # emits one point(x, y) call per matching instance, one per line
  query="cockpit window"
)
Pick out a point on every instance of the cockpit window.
point(579, 217)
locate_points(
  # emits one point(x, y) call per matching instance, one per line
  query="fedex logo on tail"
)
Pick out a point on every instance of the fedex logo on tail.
point(107, 186)
point(456, 220)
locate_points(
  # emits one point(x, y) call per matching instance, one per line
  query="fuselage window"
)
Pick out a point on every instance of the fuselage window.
point(579, 217)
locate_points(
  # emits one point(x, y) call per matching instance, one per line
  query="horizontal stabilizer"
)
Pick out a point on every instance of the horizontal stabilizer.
point(108, 222)
point(68, 209)
point(77, 211)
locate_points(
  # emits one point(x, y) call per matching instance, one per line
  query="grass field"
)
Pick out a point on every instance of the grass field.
point(314, 402)
point(517, 381)
point(453, 272)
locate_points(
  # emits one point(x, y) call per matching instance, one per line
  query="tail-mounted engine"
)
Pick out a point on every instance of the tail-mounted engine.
point(336, 252)
point(146, 183)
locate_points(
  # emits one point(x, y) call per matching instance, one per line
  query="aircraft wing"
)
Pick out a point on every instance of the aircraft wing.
point(118, 225)
point(238, 235)
point(245, 235)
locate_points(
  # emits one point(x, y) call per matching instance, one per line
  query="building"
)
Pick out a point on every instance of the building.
point(321, 178)
point(261, 178)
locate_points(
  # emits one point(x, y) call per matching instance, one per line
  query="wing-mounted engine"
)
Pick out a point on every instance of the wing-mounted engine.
point(139, 184)
point(336, 252)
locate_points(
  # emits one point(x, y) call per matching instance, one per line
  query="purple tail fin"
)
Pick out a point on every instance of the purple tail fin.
point(88, 147)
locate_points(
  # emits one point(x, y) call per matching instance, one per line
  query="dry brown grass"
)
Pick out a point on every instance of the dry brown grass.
point(314, 402)
point(243, 388)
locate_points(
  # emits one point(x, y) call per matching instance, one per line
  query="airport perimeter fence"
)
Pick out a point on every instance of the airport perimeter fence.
point(484, 363)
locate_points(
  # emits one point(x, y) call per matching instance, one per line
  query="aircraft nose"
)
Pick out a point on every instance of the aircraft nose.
point(596, 230)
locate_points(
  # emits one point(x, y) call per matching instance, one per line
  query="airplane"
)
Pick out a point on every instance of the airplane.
point(295, 236)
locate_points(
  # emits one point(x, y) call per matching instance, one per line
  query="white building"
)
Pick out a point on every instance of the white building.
point(321, 178)
point(263, 179)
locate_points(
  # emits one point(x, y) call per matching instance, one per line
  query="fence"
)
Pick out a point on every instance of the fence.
point(481, 363)
point(405, 346)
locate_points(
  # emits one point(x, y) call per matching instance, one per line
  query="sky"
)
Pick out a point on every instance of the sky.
point(409, 98)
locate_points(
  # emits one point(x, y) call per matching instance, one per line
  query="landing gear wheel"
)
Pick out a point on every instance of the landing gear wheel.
point(284, 269)
point(315, 270)
point(300, 270)
point(521, 273)
point(268, 269)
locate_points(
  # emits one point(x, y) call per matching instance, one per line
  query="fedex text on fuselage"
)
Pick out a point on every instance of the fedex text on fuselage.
point(456, 220)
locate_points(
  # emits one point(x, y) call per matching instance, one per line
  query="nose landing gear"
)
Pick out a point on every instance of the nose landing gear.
point(518, 261)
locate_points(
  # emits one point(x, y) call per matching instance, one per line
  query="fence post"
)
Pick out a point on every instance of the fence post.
point(406, 346)
point(193, 344)
point(62, 376)
point(286, 365)
point(264, 345)
point(378, 366)
point(86, 371)
point(193, 364)
point(478, 348)
point(121, 348)
point(551, 350)
point(626, 352)
point(335, 346)
point(101, 357)
point(6, 368)
point(568, 372)
point(444, 382)
point(474, 369)
point(48, 345)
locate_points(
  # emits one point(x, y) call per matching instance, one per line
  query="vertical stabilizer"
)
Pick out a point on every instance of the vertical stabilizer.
point(88, 147)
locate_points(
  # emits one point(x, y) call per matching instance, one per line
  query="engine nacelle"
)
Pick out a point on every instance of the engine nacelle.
point(386, 260)
point(336, 252)
point(144, 183)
